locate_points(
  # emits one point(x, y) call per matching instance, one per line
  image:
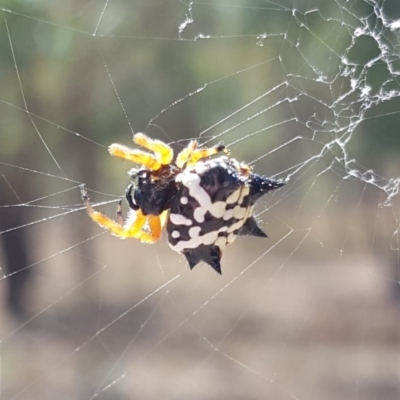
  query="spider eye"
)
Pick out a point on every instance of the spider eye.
point(143, 178)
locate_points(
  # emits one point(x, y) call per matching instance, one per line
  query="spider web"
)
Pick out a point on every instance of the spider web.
point(306, 91)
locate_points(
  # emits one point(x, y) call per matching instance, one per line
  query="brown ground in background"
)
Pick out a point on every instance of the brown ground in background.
point(284, 329)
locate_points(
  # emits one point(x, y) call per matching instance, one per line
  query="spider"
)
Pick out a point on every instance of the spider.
point(205, 202)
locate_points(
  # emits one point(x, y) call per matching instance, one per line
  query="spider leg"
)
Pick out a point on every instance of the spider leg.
point(134, 155)
point(163, 218)
point(191, 154)
point(162, 151)
point(131, 229)
point(120, 219)
point(154, 223)
point(183, 157)
point(198, 154)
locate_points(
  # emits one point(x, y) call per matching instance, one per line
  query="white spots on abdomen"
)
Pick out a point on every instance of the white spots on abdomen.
point(234, 197)
point(192, 182)
point(228, 214)
point(235, 226)
point(239, 212)
point(217, 209)
point(178, 219)
point(221, 242)
point(201, 204)
point(231, 238)
point(194, 232)
point(244, 192)
point(195, 240)
point(201, 168)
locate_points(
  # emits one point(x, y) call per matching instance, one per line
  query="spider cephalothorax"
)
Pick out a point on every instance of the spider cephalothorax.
point(205, 202)
point(150, 193)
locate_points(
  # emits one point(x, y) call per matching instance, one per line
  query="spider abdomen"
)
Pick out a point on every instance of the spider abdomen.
point(212, 205)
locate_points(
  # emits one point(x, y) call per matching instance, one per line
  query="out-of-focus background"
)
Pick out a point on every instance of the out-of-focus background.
point(306, 91)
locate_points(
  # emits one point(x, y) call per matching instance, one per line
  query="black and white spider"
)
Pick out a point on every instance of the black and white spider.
point(204, 202)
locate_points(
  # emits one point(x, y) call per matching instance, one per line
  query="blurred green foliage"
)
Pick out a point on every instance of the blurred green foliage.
point(70, 59)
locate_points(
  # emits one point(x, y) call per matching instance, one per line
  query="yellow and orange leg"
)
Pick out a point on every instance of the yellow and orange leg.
point(163, 153)
point(154, 225)
point(134, 155)
point(190, 155)
point(131, 229)
point(183, 157)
